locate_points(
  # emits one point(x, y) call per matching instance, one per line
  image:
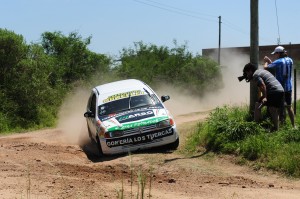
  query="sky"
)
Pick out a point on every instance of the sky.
point(117, 24)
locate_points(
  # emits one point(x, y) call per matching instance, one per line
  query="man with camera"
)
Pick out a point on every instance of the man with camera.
point(271, 89)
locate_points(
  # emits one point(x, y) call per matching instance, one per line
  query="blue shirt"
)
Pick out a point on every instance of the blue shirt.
point(283, 67)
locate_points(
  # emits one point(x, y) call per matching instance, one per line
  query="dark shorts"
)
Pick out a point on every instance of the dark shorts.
point(275, 99)
point(288, 98)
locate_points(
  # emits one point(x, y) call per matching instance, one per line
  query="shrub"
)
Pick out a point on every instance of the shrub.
point(230, 130)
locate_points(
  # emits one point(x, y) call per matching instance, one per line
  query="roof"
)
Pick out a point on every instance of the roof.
point(121, 89)
point(120, 85)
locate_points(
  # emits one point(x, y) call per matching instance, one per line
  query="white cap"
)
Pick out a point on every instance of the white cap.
point(278, 49)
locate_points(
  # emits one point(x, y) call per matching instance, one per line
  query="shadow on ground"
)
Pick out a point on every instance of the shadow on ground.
point(91, 151)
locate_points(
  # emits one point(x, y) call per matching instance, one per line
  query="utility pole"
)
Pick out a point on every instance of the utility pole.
point(254, 50)
point(219, 53)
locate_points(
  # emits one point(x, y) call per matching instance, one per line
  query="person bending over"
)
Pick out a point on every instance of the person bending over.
point(271, 89)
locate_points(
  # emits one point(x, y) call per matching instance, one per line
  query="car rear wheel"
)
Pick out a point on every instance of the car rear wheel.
point(99, 146)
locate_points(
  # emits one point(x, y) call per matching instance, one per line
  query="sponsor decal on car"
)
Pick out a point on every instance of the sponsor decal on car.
point(158, 110)
point(123, 95)
point(139, 138)
point(138, 115)
point(145, 122)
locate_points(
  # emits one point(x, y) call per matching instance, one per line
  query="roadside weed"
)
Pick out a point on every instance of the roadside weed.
point(230, 130)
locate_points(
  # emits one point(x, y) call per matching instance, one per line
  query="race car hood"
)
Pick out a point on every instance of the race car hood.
point(134, 118)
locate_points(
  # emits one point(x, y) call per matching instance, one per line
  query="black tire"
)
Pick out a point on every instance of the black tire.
point(174, 145)
point(99, 146)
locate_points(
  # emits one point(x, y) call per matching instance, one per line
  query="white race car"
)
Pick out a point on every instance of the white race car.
point(127, 115)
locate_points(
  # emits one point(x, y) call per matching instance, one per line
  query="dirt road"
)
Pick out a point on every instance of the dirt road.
point(45, 164)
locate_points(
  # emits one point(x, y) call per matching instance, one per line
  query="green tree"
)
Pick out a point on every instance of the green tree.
point(177, 66)
point(150, 62)
point(34, 79)
point(201, 73)
point(73, 59)
point(12, 51)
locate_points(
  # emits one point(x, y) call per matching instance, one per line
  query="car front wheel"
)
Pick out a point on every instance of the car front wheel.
point(174, 145)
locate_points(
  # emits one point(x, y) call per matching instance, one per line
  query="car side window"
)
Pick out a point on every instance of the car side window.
point(156, 100)
point(93, 104)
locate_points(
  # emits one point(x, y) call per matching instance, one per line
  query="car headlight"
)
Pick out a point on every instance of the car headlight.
point(113, 134)
point(165, 123)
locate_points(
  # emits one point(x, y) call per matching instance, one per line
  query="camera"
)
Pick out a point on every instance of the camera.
point(241, 78)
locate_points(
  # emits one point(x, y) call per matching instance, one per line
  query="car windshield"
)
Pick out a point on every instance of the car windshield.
point(127, 104)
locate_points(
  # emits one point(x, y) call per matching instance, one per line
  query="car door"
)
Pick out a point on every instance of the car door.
point(92, 120)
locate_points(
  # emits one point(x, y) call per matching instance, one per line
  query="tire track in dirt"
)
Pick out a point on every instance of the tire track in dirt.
point(42, 165)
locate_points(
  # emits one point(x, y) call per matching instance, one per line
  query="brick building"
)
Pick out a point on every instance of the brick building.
point(292, 49)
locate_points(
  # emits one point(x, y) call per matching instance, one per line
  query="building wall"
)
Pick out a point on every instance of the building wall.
point(293, 51)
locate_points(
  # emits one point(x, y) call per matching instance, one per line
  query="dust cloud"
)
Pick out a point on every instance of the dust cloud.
point(73, 124)
point(71, 120)
point(232, 93)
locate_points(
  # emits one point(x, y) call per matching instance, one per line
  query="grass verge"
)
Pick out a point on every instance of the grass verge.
point(230, 130)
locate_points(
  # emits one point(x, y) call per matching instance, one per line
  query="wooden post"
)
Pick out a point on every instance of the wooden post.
point(219, 53)
point(295, 91)
point(254, 50)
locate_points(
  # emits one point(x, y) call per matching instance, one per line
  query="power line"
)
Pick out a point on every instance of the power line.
point(208, 17)
point(188, 11)
point(234, 27)
point(175, 10)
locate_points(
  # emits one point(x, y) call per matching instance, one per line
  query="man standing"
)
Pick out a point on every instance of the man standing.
point(271, 89)
point(283, 66)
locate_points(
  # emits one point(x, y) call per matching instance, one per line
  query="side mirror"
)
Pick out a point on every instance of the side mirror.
point(165, 98)
point(89, 114)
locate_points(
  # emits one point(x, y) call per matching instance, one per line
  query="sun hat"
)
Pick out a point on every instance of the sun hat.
point(278, 49)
